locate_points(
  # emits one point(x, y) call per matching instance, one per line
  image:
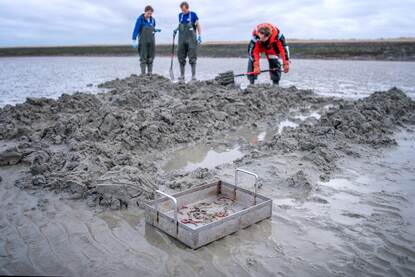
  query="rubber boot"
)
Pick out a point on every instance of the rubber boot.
point(182, 71)
point(193, 72)
point(143, 69)
point(150, 69)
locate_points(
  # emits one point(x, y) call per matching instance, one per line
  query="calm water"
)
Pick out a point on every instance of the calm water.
point(52, 76)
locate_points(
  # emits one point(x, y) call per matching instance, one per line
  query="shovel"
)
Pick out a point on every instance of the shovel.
point(171, 72)
point(228, 78)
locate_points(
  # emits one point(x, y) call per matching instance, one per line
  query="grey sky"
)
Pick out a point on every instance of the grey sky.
point(73, 22)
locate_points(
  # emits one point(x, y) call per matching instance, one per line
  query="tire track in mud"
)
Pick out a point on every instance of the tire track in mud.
point(32, 237)
point(9, 213)
point(21, 268)
point(118, 248)
point(80, 237)
point(106, 243)
point(130, 234)
point(59, 241)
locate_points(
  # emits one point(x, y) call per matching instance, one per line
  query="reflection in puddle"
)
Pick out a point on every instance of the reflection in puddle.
point(303, 117)
point(286, 123)
point(253, 135)
point(202, 156)
point(261, 136)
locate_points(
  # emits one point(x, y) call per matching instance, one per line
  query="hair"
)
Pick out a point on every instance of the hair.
point(265, 30)
point(148, 8)
point(184, 4)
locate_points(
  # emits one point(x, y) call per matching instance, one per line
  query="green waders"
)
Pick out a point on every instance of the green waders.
point(147, 49)
point(187, 48)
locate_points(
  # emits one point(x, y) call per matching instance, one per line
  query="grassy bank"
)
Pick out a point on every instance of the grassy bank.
point(401, 50)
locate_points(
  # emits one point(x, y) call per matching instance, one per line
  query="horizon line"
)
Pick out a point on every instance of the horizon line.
point(350, 40)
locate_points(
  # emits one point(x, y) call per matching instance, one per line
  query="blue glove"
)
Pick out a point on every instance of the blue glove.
point(199, 39)
point(175, 32)
point(157, 30)
point(134, 44)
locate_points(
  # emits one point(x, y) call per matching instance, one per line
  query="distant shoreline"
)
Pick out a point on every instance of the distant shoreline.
point(390, 49)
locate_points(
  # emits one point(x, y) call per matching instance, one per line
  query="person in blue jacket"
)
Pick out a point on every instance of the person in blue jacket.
point(189, 37)
point(144, 30)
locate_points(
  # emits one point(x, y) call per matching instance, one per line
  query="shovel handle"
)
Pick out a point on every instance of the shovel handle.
point(252, 73)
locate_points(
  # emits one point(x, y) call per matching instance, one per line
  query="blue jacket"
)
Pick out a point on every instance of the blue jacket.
point(141, 23)
point(191, 17)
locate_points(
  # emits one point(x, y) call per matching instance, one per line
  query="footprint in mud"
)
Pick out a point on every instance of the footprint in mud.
point(317, 199)
point(353, 215)
point(251, 261)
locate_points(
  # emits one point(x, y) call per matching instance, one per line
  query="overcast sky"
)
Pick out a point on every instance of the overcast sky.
point(74, 22)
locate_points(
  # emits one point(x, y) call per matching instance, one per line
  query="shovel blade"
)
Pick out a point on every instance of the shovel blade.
point(226, 78)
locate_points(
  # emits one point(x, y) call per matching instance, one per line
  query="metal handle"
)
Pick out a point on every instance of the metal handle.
point(249, 173)
point(174, 200)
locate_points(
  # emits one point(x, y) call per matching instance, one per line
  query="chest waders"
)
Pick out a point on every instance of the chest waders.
point(187, 48)
point(271, 54)
point(147, 49)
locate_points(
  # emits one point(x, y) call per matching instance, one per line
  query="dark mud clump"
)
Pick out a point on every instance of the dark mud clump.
point(99, 147)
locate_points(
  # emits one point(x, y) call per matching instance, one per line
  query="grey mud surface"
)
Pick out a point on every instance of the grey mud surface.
point(75, 171)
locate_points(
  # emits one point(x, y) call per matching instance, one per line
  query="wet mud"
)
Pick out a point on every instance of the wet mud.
point(95, 158)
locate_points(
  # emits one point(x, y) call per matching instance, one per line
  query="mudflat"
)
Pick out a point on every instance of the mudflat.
point(75, 171)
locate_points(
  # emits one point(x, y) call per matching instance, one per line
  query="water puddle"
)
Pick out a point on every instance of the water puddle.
point(286, 123)
point(261, 136)
point(202, 156)
point(253, 135)
point(303, 117)
point(205, 156)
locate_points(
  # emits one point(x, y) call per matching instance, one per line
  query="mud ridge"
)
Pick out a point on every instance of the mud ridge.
point(368, 122)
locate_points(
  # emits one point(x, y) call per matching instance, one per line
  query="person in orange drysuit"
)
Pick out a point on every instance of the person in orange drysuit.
point(267, 39)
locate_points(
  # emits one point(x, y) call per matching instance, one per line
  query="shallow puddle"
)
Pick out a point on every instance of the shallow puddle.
point(202, 156)
point(303, 117)
point(286, 123)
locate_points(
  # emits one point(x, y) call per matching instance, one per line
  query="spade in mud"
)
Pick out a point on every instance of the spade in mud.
point(228, 77)
point(225, 78)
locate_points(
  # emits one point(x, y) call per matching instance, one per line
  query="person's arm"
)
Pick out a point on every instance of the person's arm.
point(285, 63)
point(137, 28)
point(156, 30)
point(177, 29)
point(285, 46)
point(254, 55)
point(198, 28)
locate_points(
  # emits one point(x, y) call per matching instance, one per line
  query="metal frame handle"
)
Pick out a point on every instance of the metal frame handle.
point(249, 173)
point(174, 200)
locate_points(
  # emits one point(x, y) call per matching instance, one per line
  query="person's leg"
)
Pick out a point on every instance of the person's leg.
point(251, 78)
point(150, 68)
point(193, 56)
point(143, 57)
point(275, 66)
point(151, 55)
point(193, 65)
point(181, 55)
point(143, 68)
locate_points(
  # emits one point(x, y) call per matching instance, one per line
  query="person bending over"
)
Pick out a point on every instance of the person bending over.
point(268, 39)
